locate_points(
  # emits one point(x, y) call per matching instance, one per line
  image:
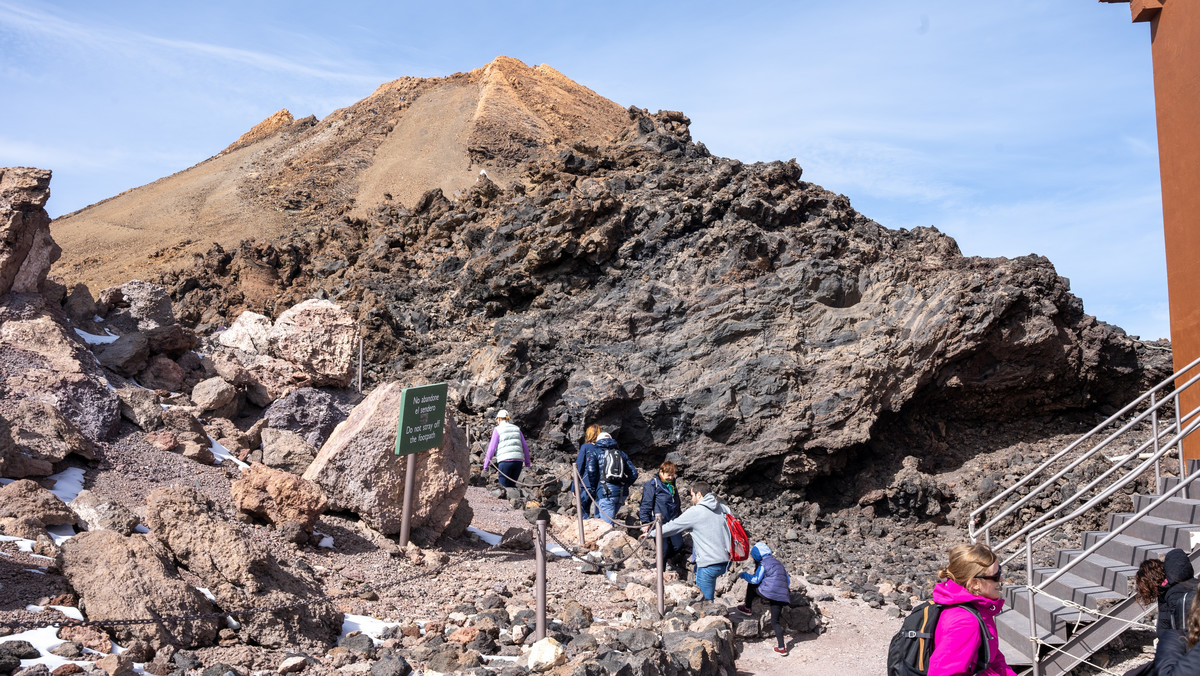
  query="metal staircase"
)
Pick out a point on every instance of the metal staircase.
point(1081, 598)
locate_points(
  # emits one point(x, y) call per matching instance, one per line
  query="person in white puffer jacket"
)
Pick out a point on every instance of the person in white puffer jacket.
point(509, 449)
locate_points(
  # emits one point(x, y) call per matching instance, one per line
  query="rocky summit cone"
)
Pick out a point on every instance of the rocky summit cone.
point(543, 250)
point(409, 136)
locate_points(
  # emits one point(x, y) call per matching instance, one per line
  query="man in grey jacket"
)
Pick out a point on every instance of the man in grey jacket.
point(710, 536)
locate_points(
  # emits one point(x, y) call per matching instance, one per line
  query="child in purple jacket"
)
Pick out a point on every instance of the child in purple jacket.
point(771, 582)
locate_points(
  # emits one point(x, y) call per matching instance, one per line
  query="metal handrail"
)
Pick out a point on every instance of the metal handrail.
point(1032, 537)
point(1154, 459)
point(1151, 412)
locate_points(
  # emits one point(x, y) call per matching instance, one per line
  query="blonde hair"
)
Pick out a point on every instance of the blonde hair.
point(967, 561)
point(1193, 625)
point(591, 433)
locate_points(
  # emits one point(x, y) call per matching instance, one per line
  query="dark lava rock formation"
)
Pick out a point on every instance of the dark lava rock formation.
point(748, 324)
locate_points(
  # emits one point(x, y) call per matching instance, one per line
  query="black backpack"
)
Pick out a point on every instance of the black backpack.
point(612, 467)
point(912, 646)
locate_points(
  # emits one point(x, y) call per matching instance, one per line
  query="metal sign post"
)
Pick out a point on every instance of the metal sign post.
point(661, 556)
point(420, 427)
point(540, 631)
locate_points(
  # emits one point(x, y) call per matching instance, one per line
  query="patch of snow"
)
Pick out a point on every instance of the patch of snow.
point(554, 549)
point(93, 339)
point(368, 625)
point(490, 538)
point(5, 482)
point(488, 659)
point(44, 639)
point(140, 529)
point(220, 453)
point(35, 570)
point(207, 594)
point(97, 319)
point(61, 534)
point(22, 544)
point(326, 541)
point(611, 575)
point(67, 483)
point(70, 612)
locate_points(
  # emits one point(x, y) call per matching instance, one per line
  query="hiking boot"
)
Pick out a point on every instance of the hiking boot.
point(782, 652)
point(744, 609)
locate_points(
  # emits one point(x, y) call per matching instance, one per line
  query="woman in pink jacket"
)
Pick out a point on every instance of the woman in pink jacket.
point(972, 577)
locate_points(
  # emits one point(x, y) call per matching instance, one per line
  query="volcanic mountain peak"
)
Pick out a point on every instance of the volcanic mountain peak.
point(409, 136)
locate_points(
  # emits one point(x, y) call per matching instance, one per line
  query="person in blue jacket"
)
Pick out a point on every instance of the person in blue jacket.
point(771, 582)
point(660, 496)
point(612, 494)
point(587, 463)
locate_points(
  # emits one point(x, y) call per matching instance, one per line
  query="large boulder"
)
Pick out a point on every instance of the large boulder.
point(26, 248)
point(142, 407)
point(278, 497)
point(96, 513)
point(126, 355)
point(241, 573)
point(149, 305)
point(41, 361)
point(212, 394)
point(319, 337)
point(121, 577)
point(40, 431)
point(161, 373)
point(16, 463)
point(24, 498)
point(311, 413)
point(360, 474)
point(286, 451)
point(248, 333)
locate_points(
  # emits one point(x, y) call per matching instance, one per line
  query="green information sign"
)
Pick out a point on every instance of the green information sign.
point(422, 418)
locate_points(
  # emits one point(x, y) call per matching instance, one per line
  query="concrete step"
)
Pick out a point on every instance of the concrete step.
point(1072, 587)
point(1052, 616)
point(1125, 548)
point(1101, 570)
point(1013, 629)
point(1184, 510)
point(1155, 529)
point(1168, 482)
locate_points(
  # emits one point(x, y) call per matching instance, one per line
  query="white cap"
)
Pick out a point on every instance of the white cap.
point(502, 413)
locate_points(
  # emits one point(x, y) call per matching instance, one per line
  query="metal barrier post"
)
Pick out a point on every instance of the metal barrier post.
point(578, 503)
point(1033, 631)
point(1154, 433)
point(1179, 430)
point(661, 556)
point(540, 632)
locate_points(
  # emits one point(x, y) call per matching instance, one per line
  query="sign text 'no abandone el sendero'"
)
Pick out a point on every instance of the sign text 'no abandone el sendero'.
point(422, 418)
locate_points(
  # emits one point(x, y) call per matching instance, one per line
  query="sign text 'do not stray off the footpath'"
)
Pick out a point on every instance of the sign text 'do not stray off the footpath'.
point(422, 418)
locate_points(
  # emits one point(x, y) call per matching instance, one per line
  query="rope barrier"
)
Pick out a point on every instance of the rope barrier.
point(638, 544)
point(521, 483)
point(249, 612)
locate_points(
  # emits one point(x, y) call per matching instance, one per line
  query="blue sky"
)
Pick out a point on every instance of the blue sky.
point(1017, 127)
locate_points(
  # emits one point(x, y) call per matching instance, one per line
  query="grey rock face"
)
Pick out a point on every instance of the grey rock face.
point(311, 413)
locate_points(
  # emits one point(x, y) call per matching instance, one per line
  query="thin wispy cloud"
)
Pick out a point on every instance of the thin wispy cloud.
point(133, 44)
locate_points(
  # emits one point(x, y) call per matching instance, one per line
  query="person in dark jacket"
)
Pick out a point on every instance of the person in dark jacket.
point(770, 582)
point(587, 463)
point(611, 495)
point(1177, 593)
point(1176, 654)
point(660, 496)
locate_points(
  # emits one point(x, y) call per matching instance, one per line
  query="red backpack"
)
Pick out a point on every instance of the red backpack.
point(739, 544)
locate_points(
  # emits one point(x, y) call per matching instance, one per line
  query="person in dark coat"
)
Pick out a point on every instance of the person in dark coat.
point(587, 463)
point(771, 583)
point(660, 496)
point(611, 495)
point(1176, 596)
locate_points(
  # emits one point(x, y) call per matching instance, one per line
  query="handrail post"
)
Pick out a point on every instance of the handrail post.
point(1154, 432)
point(540, 631)
point(1033, 646)
point(661, 555)
point(1179, 430)
point(578, 504)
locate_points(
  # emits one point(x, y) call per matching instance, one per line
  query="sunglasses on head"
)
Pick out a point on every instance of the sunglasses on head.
point(993, 578)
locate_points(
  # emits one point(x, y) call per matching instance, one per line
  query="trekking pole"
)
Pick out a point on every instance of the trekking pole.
point(658, 545)
point(540, 631)
point(578, 504)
